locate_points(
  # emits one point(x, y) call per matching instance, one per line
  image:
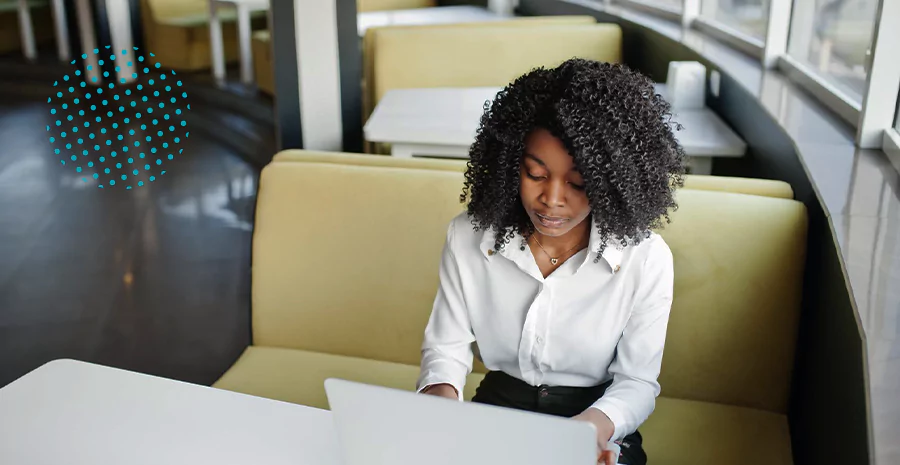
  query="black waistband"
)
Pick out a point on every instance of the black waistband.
point(499, 388)
point(504, 381)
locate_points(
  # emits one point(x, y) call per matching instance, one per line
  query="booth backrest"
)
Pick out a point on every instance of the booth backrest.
point(363, 6)
point(519, 21)
point(752, 186)
point(483, 56)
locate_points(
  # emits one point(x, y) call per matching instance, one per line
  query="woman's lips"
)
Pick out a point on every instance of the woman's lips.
point(550, 221)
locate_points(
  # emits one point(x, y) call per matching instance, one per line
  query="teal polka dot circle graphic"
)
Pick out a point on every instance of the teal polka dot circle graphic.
point(118, 132)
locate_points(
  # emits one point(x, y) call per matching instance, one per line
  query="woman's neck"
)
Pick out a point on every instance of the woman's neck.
point(578, 236)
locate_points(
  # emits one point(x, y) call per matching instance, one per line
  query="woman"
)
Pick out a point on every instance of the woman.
point(553, 271)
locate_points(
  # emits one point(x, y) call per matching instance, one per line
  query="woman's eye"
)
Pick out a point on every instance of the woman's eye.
point(534, 177)
point(579, 187)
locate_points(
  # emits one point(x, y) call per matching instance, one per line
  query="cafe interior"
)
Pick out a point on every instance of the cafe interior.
point(189, 306)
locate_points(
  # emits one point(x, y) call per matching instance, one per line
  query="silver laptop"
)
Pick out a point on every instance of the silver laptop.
point(381, 426)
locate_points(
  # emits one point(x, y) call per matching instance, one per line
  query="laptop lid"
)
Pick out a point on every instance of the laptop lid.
point(382, 426)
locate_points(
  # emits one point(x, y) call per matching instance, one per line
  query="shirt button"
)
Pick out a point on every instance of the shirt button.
point(539, 340)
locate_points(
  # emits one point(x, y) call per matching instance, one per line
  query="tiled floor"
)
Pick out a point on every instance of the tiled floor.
point(154, 279)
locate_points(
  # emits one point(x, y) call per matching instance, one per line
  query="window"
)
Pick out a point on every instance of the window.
point(670, 4)
point(833, 37)
point(655, 6)
point(745, 16)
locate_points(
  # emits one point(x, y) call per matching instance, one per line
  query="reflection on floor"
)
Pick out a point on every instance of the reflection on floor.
point(155, 279)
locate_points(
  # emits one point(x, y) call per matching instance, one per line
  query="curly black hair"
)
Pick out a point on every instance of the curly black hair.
point(612, 122)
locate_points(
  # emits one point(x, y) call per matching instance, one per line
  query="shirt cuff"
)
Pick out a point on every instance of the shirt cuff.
point(426, 384)
point(610, 408)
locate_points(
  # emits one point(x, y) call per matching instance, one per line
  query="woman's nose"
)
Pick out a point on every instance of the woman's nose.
point(554, 194)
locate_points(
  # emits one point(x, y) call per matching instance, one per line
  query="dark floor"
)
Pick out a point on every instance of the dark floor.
point(154, 279)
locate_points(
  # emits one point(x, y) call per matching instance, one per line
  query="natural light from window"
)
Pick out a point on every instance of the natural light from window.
point(747, 16)
point(834, 38)
point(669, 4)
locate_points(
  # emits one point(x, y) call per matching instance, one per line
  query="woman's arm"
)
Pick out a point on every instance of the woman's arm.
point(447, 349)
point(632, 396)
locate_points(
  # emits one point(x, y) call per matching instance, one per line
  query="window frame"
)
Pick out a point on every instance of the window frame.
point(879, 108)
point(731, 36)
point(891, 139)
point(648, 6)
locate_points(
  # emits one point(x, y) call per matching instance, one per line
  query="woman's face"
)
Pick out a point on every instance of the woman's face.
point(552, 190)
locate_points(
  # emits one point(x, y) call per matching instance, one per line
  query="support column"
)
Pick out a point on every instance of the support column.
point(318, 72)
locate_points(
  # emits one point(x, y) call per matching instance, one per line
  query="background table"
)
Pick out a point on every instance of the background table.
point(423, 16)
point(216, 48)
point(442, 122)
point(75, 413)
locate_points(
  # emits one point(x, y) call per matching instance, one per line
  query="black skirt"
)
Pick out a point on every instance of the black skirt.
point(500, 389)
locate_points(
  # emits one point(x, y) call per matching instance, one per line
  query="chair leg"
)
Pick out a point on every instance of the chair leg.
point(63, 48)
point(26, 28)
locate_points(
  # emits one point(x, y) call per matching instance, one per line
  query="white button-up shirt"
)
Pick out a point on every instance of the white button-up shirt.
point(582, 325)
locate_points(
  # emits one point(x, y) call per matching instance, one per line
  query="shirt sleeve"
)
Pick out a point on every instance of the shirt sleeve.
point(631, 397)
point(447, 349)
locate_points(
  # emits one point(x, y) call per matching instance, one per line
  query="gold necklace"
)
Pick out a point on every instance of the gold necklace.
point(553, 261)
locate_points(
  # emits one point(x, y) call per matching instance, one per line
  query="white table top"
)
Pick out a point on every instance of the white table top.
point(450, 116)
point(424, 16)
point(75, 413)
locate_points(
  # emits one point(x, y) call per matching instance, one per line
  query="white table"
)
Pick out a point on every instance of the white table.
point(74, 413)
point(425, 16)
point(244, 9)
point(442, 123)
point(26, 29)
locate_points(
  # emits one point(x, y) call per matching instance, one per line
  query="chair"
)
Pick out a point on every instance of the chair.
point(10, 35)
point(177, 32)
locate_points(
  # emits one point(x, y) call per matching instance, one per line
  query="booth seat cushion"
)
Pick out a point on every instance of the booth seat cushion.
point(351, 269)
point(686, 432)
point(298, 376)
point(679, 432)
point(751, 186)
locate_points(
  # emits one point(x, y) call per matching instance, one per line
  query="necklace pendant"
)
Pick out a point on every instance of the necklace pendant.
point(554, 261)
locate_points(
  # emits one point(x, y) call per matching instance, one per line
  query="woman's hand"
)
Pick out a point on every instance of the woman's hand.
point(442, 390)
point(605, 430)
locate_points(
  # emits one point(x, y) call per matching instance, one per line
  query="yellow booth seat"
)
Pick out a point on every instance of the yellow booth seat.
point(369, 50)
point(482, 56)
point(344, 286)
point(752, 186)
point(363, 6)
point(177, 32)
point(10, 34)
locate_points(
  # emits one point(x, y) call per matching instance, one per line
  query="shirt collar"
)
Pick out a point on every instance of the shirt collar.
point(612, 254)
